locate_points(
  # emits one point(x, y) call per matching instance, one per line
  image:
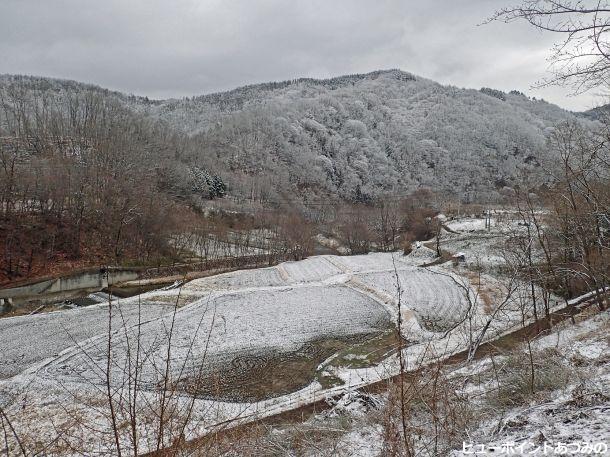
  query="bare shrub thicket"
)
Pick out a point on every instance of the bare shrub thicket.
point(77, 182)
point(563, 245)
point(389, 224)
point(581, 208)
point(574, 238)
point(437, 416)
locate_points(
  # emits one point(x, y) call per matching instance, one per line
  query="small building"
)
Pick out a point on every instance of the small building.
point(460, 257)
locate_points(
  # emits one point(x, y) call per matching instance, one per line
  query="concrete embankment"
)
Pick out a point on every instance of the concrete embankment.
point(57, 288)
point(122, 281)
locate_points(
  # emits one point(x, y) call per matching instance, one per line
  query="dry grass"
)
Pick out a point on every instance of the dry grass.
point(484, 290)
point(518, 385)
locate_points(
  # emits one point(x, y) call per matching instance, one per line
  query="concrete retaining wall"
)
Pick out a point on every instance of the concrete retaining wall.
point(88, 280)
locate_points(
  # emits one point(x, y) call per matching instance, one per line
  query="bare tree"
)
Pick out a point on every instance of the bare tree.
point(581, 205)
point(582, 55)
point(580, 198)
point(355, 229)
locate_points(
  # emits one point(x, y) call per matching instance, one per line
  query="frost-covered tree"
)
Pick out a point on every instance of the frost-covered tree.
point(356, 137)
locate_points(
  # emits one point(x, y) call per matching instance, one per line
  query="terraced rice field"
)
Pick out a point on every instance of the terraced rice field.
point(255, 340)
point(235, 336)
point(437, 298)
point(28, 340)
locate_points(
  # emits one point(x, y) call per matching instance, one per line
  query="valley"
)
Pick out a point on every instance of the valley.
point(249, 344)
point(367, 265)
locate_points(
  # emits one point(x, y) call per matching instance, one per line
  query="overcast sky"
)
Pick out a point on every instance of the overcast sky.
point(164, 48)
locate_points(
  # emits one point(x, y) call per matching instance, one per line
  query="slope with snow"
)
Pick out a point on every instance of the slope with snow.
point(243, 326)
point(28, 340)
point(358, 136)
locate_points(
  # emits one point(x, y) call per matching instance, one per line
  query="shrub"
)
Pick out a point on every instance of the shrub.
point(517, 384)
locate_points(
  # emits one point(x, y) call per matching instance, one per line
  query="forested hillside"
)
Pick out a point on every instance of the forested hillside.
point(358, 137)
point(87, 173)
point(363, 136)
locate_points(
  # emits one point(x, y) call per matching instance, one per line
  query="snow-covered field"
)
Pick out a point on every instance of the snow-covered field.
point(267, 308)
point(218, 329)
point(239, 323)
point(432, 294)
point(214, 248)
point(483, 247)
point(561, 418)
point(28, 340)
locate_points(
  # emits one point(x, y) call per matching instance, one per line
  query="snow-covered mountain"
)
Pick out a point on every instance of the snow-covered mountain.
point(356, 136)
